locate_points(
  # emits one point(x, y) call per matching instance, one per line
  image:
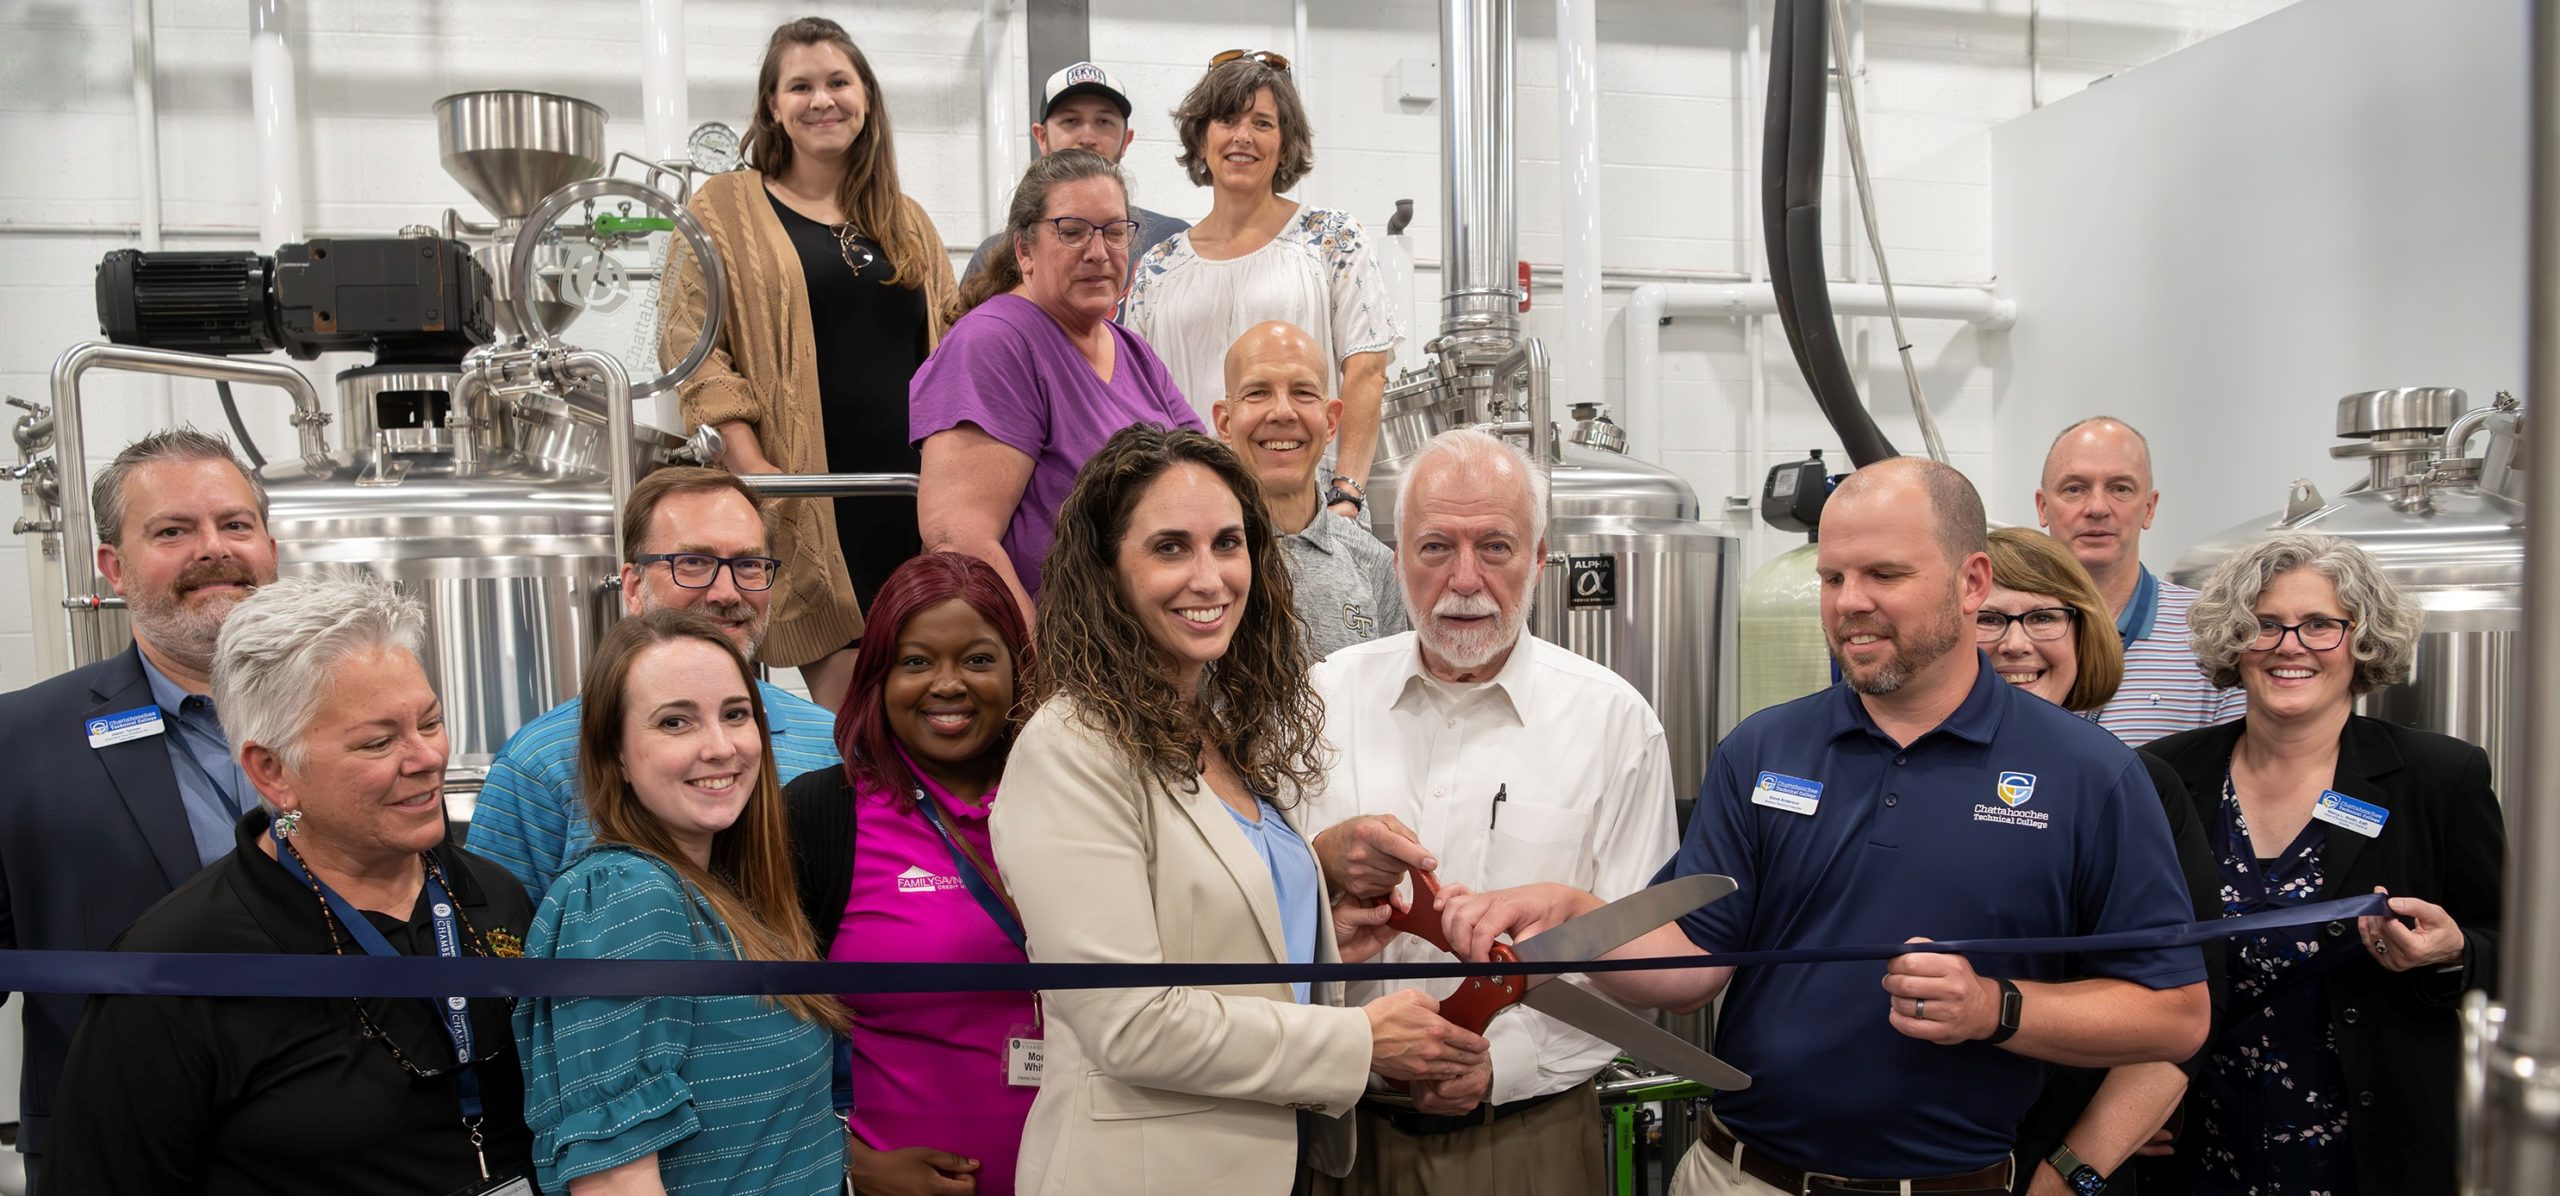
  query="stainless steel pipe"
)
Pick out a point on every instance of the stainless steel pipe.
point(832, 485)
point(1479, 245)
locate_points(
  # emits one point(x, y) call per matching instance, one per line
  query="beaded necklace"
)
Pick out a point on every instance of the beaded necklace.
point(471, 938)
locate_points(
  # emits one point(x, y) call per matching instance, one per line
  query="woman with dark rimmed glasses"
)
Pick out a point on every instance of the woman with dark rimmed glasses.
point(2336, 1070)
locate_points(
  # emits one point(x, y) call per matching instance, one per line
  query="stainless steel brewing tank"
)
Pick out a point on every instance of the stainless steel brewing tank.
point(2449, 531)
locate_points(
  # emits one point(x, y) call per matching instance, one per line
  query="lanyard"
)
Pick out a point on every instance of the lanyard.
point(456, 1011)
point(230, 797)
point(977, 881)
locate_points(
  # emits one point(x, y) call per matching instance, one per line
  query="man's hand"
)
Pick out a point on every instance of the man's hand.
point(1938, 998)
point(1474, 921)
point(1366, 857)
point(1448, 1098)
point(1409, 1040)
point(2435, 943)
point(2047, 1182)
point(911, 1171)
point(1361, 931)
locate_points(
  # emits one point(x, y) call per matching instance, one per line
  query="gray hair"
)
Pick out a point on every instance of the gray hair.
point(2383, 638)
point(1460, 447)
point(106, 495)
point(280, 645)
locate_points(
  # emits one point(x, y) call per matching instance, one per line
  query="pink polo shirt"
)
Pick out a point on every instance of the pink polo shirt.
point(929, 1068)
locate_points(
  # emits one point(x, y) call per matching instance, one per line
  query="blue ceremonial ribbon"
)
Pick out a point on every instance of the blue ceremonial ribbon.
point(138, 973)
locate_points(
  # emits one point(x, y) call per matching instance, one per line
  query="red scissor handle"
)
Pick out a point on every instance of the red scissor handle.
point(1479, 997)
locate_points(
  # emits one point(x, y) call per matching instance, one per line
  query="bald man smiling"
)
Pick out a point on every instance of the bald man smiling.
point(1278, 418)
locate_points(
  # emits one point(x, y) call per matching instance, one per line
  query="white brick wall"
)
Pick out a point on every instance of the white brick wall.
point(1942, 72)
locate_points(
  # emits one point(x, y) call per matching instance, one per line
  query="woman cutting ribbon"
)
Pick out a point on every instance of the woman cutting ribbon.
point(344, 741)
point(894, 868)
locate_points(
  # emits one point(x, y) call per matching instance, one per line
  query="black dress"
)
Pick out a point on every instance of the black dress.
point(286, 1096)
point(870, 339)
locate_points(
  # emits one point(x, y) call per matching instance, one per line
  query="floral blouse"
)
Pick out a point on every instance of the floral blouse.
point(2273, 1110)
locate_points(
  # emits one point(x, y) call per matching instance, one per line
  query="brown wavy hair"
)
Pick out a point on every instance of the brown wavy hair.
point(2032, 562)
point(869, 193)
point(749, 884)
point(1029, 206)
point(1254, 702)
point(1227, 90)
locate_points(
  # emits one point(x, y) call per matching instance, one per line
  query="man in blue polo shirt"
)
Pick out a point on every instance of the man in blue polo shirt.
point(691, 539)
point(1920, 797)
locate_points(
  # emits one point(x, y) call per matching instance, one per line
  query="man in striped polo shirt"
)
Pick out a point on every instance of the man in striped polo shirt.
point(2097, 498)
point(691, 538)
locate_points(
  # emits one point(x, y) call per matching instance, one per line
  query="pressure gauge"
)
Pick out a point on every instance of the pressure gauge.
point(713, 147)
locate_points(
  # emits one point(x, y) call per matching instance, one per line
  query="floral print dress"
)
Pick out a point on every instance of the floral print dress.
point(2273, 1111)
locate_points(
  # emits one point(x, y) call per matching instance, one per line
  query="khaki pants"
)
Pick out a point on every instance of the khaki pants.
point(1556, 1149)
point(1703, 1172)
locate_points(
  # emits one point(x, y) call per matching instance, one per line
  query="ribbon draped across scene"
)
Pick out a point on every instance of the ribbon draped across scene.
point(167, 974)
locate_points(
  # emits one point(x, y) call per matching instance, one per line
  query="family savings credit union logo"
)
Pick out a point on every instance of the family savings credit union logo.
point(2014, 789)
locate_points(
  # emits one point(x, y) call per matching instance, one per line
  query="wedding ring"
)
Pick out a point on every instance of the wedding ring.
point(1919, 1009)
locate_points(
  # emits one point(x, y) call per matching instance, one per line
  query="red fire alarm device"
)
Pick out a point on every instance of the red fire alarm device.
point(1524, 286)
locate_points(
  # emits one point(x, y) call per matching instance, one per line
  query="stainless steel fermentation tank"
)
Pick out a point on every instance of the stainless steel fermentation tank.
point(488, 490)
point(1633, 580)
point(2449, 529)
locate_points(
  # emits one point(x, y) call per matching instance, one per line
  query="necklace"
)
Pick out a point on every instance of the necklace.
point(850, 242)
point(471, 938)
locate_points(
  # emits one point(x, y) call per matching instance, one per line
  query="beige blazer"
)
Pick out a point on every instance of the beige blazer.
point(1172, 1091)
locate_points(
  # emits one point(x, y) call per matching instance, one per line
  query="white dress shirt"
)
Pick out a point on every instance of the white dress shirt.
point(1586, 779)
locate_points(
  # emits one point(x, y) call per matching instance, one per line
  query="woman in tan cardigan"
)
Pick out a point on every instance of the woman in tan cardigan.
point(838, 289)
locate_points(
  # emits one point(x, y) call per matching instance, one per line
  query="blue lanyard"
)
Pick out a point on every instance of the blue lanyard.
point(178, 729)
point(978, 884)
point(456, 1011)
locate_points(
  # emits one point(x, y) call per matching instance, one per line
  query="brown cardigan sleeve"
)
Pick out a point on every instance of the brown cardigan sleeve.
point(716, 393)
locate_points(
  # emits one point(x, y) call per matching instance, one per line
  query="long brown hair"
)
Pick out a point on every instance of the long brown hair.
point(1048, 172)
point(749, 882)
point(2032, 562)
point(869, 194)
point(1254, 702)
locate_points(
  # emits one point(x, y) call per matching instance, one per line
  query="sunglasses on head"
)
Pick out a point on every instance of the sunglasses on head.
point(1274, 60)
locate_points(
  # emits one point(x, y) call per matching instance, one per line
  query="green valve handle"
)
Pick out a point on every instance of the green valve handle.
point(618, 226)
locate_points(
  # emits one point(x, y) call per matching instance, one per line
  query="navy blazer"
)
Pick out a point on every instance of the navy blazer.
point(89, 839)
point(2399, 1034)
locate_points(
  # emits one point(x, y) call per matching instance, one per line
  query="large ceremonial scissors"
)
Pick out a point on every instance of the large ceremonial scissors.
point(1581, 939)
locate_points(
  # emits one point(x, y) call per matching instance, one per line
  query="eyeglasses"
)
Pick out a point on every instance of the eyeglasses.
point(1074, 231)
point(1274, 60)
point(2316, 634)
point(2045, 623)
point(695, 570)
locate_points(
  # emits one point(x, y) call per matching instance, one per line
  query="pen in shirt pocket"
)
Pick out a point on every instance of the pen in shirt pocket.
point(1501, 794)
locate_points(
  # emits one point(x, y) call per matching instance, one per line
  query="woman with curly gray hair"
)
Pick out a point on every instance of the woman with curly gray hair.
point(2336, 1070)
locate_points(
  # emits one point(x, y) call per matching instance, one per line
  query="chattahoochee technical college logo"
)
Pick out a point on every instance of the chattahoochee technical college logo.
point(2014, 790)
point(2017, 787)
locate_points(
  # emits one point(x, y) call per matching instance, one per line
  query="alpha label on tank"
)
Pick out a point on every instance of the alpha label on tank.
point(1591, 582)
point(1795, 795)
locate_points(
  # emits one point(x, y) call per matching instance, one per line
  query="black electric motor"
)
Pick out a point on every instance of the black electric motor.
point(407, 300)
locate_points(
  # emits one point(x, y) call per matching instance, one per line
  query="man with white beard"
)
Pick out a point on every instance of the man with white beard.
point(1491, 758)
point(123, 783)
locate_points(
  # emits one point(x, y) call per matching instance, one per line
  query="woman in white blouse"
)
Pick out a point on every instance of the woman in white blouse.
point(1260, 257)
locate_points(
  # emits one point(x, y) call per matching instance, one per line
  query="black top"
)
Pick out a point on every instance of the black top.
point(2398, 1034)
point(870, 339)
point(286, 1096)
point(822, 830)
point(2067, 1090)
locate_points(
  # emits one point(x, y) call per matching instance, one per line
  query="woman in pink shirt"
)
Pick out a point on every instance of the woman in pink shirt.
point(894, 866)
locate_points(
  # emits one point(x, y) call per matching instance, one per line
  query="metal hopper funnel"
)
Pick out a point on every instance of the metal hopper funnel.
point(512, 148)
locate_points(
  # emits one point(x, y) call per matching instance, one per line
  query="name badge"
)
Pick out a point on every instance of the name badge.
point(1795, 795)
point(141, 722)
point(2338, 809)
point(1023, 1059)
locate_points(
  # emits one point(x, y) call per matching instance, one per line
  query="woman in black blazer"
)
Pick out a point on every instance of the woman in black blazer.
point(2336, 1070)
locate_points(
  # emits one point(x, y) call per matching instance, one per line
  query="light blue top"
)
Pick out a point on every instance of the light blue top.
point(530, 818)
point(211, 787)
point(1293, 877)
point(733, 1094)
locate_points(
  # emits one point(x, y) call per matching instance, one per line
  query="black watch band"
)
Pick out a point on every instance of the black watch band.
point(2081, 1178)
point(1336, 493)
point(2010, 1001)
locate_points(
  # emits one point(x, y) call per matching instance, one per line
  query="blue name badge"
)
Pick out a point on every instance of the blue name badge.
point(141, 722)
point(2338, 809)
point(1778, 791)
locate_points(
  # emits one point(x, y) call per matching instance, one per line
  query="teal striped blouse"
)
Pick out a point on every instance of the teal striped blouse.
point(732, 1094)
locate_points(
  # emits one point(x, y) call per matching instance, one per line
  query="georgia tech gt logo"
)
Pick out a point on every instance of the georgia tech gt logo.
point(2016, 787)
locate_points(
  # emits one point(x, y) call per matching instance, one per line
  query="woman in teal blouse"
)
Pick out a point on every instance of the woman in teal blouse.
point(678, 1095)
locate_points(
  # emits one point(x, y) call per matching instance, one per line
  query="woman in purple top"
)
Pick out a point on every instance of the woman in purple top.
point(894, 866)
point(1035, 376)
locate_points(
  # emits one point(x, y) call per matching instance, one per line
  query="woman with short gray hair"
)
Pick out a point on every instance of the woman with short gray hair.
point(2335, 1071)
point(335, 725)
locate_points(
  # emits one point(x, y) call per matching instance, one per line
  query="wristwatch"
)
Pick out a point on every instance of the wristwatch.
point(1343, 490)
point(2010, 1002)
point(2083, 1178)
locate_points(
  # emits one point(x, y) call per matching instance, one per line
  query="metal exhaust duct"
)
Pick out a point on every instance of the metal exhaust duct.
point(1479, 246)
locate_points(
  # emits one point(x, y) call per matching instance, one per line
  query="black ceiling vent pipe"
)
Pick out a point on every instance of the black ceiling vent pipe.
point(1791, 220)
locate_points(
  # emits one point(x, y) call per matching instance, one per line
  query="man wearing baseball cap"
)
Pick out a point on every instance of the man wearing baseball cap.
point(1086, 109)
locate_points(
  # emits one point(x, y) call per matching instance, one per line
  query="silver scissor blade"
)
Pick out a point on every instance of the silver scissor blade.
point(1624, 920)
point(1649, 1043)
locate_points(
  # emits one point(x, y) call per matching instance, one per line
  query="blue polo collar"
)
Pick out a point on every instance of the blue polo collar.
point(1976, 719)
point(2143, 611)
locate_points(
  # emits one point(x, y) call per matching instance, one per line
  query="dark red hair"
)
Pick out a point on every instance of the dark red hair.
point(870, 749)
